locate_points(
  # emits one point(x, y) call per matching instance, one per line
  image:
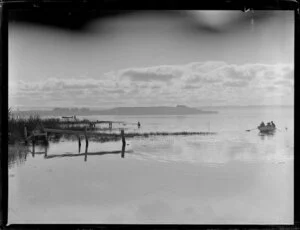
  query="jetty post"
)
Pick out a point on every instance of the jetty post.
point(46, 151)
point(123, 143)
point(79, 142)
point(33, 147)
point(25, 134)
point(85, 155)
point(33, 138)
point(86, 137)
point(46, 137)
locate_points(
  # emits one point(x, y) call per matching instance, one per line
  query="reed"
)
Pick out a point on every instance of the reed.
point(16, 126)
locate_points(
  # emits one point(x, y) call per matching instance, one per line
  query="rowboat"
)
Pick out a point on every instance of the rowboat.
point(266, 129)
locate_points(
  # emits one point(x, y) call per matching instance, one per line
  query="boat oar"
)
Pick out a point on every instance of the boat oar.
point(248, 130)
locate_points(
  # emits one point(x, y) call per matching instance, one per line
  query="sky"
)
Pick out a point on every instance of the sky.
point(195, 58)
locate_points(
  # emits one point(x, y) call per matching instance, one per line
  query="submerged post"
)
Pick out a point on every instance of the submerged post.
point(79, 142)
point(33, 138)
point(123, 143)
point(123, 137)
point(33, 147)
point(46, 137)
point(86, 137)
point(25, 134)
point(85, 155)
point(46, 150)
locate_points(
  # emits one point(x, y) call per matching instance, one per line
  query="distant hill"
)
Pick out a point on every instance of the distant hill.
point(158, 110)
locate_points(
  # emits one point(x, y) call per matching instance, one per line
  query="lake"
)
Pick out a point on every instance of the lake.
point(232, 177)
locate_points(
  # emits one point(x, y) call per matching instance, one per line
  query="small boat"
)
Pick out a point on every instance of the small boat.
point(266, 129)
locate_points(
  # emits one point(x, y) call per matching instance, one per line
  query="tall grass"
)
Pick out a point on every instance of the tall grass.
point(16, 126)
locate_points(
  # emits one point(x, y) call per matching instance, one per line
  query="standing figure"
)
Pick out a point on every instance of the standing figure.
point(273, 124)
point(139, 124)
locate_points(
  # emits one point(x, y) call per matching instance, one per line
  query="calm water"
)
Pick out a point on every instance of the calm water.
point(231, 177)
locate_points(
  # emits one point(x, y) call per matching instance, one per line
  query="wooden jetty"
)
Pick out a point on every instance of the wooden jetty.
point(44, 133)
point(40, 131)
point(90, 123)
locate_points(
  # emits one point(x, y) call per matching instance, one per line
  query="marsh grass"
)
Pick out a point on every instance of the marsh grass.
point(16, 126)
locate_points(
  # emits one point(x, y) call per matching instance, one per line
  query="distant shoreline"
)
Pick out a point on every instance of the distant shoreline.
point(140, 111)
point(122, 111)
point(213, 107)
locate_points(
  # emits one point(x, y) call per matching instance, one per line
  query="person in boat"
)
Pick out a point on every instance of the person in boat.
point(269, 124)
point(273, 125)
point(262, 124)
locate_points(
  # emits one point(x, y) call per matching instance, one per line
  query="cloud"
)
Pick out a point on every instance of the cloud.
point(236, 83)
point(286, 83)
point(159, 73)
point(194, 84)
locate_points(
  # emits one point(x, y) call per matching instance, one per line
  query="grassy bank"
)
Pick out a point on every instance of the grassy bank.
point(16, 126)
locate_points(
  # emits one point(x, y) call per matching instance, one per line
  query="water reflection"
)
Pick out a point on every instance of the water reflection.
point(209, 149)
point(17, 155)
point(86, 153)
point(266, 136)
point(44, 145)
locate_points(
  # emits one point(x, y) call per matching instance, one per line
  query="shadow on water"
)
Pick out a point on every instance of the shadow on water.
point(45, 146)
point(18, 152)
point(85, 154)
point(266, 135)
point(17, 155)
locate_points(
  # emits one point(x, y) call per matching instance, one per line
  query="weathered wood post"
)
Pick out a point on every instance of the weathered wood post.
point(123, 143)
point(86, 150)
point(110, 125)
point(46, 138)
point(79, 142)
point(33, 138)
point(46, 150)
point(25, 134)
point(86, 137)
point(33, 146)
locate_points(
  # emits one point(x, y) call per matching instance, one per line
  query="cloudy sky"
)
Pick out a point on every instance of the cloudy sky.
point(204, 58)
